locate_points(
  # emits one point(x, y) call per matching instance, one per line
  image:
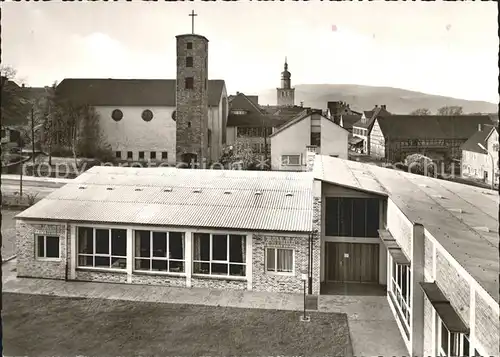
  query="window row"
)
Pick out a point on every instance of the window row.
point(141, 155)
point(157, 251)
point(117, 115)
point(358, 131)
point(452, 343)
point(401, 289)
point(352, 217)
point(213, 254)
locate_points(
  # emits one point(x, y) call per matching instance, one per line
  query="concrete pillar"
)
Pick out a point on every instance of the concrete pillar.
point(417, 295)
point(130, 254)
point(73, 252)
point(188, 238)
point(249, 261)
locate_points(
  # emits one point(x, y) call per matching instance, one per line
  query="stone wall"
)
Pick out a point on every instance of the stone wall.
point(454, 286)
point(487, 329)
point(192, 104)
point(28, 265)
point(218, 283)
point(101, 276)
point(267, 281)
point(164, 280)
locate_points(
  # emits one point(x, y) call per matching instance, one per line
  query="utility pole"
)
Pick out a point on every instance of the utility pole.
point(21, 141)
point(33, 137)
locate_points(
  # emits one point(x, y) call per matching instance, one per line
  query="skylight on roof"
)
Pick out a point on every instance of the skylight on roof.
point(258, 193)
point(138, 189)
point(458, 210)
point(227, 192)
point(82, 188)
point(109, 188)
point(197, 190)
point(438, 196)
point(168, 189)
point(289, 194)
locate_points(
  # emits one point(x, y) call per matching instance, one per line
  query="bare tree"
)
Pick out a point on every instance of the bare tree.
point(421, 111)
point(451, 110)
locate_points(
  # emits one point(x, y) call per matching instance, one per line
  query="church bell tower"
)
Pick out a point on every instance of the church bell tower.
point(191, 100)
point(286, 94)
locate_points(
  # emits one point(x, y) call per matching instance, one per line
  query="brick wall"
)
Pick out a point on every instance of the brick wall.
point(222, 284)
point(164, 280)
point(27, 264)
point(400, 227)
point(428, 329)
point(264, 281)
point(487, 329)
point(428, 259)
point(101, 277)
point(316, 268)
point(454, 286)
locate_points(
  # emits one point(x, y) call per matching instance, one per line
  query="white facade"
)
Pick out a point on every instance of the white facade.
point(480, 166)
point(133, 134)
point(289, 145)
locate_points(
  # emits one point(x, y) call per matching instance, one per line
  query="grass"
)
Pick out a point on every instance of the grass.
point(38, 325)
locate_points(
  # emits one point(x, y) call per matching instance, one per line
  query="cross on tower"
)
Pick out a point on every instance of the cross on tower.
point(192, 14)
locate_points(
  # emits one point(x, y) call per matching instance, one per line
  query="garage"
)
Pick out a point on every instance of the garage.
point(352, 262)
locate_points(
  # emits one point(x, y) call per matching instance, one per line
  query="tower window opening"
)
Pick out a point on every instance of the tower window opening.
point(189, 61)
point(189, 124)
point(189, 83)
point(189, 45)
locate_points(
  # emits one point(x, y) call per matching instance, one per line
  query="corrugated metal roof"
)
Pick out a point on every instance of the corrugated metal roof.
point(183, 197)
point(455, 214)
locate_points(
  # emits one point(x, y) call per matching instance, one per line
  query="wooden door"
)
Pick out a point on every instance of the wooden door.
point(351, 262)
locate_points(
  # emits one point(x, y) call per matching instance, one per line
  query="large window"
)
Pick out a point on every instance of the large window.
point(352, 217)
point(316, 139)
point(290, 160)
point(279, 260)
point(451, 343)
point(47, 247)
point(401, 290)
point(102, 248)
point(159, 251)
point(219, 254)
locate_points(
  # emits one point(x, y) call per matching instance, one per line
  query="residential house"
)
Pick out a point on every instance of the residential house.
point(480, 155)
point(393, 137)
point(338, 108)
point(310, 131)
point(431, 244)
point(362, 128)
point(247, 121)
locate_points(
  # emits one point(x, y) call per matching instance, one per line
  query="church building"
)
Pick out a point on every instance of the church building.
point(160, 120)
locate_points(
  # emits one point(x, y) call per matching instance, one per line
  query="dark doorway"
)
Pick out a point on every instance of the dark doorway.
point(352, 262)
point(189, 160)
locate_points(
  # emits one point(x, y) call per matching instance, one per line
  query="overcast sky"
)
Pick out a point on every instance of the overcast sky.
point(439, 48)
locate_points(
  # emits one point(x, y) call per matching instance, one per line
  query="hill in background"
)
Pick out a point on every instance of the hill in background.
point(359, 97)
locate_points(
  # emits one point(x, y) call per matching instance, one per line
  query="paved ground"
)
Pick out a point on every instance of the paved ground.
point(8, 233)
point(373, 329)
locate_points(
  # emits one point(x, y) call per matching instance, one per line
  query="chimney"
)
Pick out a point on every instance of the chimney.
point(22, 85)
point(376, 105)
point(301, 104)
point(479, 127)
point(383, 106)
point(237, 92)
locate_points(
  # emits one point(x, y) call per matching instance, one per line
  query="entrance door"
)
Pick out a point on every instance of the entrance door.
point(352, 262)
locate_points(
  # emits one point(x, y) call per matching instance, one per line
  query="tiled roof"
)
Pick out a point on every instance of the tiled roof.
point(431, 126)
point(462, 218)
point(130, 92)
point(253, 120)
point(167, 197)
point(370, 116)
point(349, 120)
point(304, 114)
point(479, 137)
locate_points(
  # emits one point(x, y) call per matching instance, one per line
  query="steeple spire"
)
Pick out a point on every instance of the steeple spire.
point(286, 64)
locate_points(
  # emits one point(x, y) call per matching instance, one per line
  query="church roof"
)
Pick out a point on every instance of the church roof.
point(130, 92)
